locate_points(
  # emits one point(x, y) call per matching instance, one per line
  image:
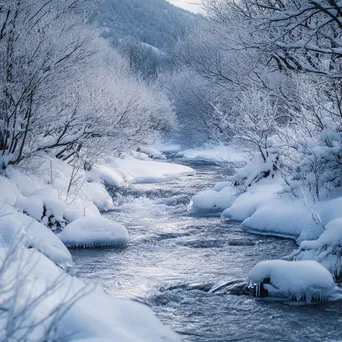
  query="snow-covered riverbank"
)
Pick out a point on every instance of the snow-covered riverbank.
point(266, 205)
point(55, 197)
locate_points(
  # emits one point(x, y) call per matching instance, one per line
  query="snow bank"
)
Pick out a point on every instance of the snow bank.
point(225, 154)
point(143, 171)
point(122, 172)
point(212, 201)
point(151, 152)
point(327, 249)
point(53, 192)
point(283, 217)
point(90, 313)
point(106, 175)
point(100, 197)
point(300, 280)
point(91, 232)
point(264, 209)
point(15, 226)
point(249, 202)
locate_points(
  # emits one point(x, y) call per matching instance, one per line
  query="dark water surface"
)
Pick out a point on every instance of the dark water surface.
point(192, 270)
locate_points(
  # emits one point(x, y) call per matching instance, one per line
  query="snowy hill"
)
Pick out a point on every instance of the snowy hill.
point(154, 22)
point(143, 31)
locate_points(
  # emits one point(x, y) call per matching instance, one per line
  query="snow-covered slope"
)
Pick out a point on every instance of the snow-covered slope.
point(45, 198)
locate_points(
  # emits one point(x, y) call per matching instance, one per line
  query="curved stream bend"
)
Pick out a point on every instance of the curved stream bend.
point(192, 270)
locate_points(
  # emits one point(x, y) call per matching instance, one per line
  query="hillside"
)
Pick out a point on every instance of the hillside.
point(154, 22)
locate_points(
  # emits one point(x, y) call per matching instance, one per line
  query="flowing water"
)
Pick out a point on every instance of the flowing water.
point(192, 270)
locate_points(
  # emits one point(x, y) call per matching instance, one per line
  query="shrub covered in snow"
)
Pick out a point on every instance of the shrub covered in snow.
point(327, 249)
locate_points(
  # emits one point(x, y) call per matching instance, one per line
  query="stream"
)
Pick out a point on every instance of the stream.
point(192, 270)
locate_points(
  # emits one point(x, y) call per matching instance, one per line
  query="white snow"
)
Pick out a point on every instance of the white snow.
point(264, 209)
point(326, 249)
point(100, 197)
point(217, 154)
point(94, 232)
point(122, 172)
point(302, 280)
point(283, 217)
point(151, 152)
point(143, 171)
point(15, 226)
point(256, 196)
point(93, 315)
point(212, 201)
point(107, 175)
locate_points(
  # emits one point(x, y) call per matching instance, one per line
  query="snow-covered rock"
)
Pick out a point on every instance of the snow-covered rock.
point(91, 232)
point(212, 201)
point(300, 280)
point(106, 175)
point(146, 171)
point(15, 226)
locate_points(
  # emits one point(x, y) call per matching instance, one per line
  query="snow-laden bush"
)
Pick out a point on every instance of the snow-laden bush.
point(315, 139)
point(327, 249)
point(256, 125)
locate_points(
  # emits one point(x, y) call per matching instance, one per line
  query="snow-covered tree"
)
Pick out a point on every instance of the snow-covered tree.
point(315, 137)
point(64, 90)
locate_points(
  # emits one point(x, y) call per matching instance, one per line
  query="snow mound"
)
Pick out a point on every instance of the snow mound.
point(301, 280)
point(255, 197)
point(283, 217)
point(92, 232)
point(151, 152)
point(105, 174)
point(100, 197)
point(16, 226)
point(146, 171)
point(89, 313)
point(212, 201)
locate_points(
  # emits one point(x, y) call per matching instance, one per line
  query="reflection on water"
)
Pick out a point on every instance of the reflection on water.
point(192, 270)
